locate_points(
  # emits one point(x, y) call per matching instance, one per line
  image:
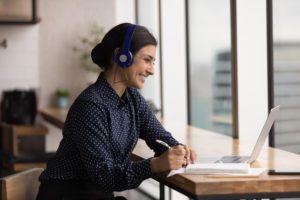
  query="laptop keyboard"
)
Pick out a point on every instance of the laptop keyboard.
point(233, 159)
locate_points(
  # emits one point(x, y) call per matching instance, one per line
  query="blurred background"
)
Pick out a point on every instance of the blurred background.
point(221, 64)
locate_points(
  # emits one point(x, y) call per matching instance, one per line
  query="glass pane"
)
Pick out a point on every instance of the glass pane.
point(15, 10)
point(210, 65)
point(286, 33)
point(147, 15)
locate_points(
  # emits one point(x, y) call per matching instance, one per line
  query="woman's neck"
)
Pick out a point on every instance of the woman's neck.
point(115, 81)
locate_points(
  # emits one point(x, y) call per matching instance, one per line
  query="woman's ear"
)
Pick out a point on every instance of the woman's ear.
point(113, 58)
point(116, 51)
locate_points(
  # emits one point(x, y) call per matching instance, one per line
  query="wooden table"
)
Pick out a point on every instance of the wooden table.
point(55, 116)
point(208, 143)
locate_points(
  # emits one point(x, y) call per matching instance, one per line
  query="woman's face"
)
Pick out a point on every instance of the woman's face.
point(142, 66)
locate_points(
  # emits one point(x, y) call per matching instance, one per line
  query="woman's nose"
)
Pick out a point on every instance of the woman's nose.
point(150, 70)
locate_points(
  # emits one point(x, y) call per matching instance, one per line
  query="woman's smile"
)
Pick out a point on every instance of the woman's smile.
point(142, 77)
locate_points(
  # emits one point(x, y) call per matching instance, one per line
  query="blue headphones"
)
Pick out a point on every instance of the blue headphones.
point(124, 57)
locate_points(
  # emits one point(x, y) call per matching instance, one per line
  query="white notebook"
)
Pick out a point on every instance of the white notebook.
point(209, 168)
point(219, 169)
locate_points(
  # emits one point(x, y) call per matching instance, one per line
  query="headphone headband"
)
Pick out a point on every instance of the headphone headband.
point(128, 37)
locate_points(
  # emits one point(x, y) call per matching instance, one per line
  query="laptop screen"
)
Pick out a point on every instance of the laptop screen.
point(264, 133)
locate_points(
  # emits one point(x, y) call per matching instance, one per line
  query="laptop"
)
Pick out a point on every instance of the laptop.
point(259, 143)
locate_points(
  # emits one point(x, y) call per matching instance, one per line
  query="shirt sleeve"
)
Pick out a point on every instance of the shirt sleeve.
point(151, 129)
point(90, 134)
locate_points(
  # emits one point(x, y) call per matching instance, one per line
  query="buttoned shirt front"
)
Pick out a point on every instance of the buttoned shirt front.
point(99, 135)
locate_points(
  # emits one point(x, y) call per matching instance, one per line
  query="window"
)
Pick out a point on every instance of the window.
point(209, 47)
point(286, 73)
point(148, 16)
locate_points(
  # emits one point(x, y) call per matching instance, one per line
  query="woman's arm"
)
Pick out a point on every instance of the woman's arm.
point(91, 136)
point(151, 129)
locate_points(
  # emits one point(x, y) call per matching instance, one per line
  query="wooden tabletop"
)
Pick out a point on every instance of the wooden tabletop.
point(55, 116)
point(206, 144)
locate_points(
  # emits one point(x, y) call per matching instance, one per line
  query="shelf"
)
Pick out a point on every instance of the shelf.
point(11, 17)
point(18, 20)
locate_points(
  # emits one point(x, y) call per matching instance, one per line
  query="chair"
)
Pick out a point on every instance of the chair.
point(21, 186)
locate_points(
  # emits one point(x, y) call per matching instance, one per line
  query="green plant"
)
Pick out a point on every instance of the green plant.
point(62, 93)
point(88, 42)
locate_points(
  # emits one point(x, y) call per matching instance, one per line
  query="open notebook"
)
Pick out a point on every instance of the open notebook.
point(220, 170)
point(208, 168)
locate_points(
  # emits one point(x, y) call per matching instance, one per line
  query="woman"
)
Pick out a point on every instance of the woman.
point(105, 121)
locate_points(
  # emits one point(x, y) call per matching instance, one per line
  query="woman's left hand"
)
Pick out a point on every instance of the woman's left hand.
point(190, 156)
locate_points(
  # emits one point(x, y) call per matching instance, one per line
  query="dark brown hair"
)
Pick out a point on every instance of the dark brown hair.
point(103, 53)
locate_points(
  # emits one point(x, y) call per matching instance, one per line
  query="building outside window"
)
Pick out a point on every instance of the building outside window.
point(286, 73)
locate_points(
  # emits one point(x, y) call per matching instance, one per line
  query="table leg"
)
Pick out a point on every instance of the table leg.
point(161, 191)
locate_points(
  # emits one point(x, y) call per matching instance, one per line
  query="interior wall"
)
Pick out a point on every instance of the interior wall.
point(174, 60)
point(124, 11)
point(63, 23)
point(252, 68)
point(19, 68)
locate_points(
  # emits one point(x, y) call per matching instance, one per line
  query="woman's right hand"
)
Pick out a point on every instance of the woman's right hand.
point(172, 159)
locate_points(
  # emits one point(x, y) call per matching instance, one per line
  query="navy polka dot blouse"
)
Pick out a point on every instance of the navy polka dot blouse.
point(99, 135)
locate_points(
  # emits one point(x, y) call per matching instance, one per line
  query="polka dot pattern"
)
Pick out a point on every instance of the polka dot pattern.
point(99, 135)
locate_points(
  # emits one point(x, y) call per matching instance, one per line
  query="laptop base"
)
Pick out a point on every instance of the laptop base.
point(234, 159)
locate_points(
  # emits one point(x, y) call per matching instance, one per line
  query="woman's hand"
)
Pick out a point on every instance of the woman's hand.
point(190, 155)
point(173, 158)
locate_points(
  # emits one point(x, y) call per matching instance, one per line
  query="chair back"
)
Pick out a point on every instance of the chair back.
point(22, 185)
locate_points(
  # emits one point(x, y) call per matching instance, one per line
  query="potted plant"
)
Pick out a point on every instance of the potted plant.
point(88, 42)
point(62, 98)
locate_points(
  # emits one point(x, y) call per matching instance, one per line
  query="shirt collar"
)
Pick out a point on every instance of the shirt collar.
point(109, 94)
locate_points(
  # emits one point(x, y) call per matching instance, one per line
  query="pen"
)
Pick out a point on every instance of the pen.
point(163, 143)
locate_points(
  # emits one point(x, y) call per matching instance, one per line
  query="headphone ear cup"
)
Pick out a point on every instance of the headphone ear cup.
point(124, 59)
